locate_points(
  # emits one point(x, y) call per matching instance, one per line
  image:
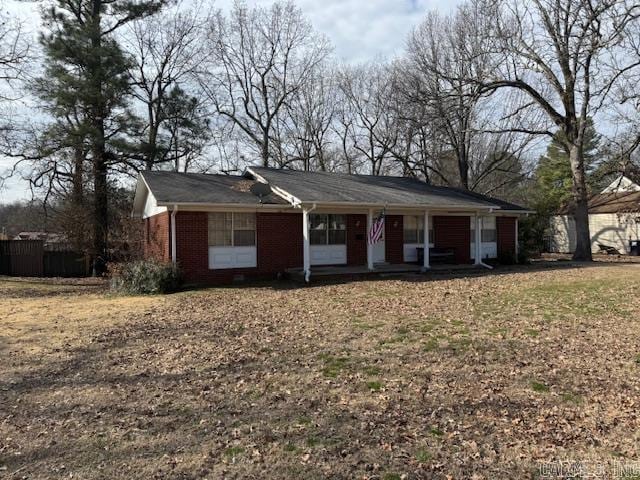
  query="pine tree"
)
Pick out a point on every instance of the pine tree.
point(86, 86)
point(553, 175)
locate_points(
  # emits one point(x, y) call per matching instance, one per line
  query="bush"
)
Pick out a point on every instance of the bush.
point(507, 258)
point(144, 277)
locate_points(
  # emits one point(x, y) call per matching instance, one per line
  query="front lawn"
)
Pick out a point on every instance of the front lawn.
point(490, 377)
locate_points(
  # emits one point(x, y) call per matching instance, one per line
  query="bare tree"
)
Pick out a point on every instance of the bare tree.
point(14, 52)
point(167, 49)
point(370, 127)
point(567, 56)
point(258, 60)
point(442, 53)
point(303, 130)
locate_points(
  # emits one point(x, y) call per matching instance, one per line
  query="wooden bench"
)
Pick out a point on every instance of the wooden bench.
point(437, 255)
point(607, 249)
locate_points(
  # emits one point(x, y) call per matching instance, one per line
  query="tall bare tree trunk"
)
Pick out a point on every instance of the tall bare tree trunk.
point(264, 149)
point(98, 152)
point(77, 194)
point(580, 197)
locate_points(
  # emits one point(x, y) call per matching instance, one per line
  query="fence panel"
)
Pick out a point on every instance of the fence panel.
point(25, 258)
point(64, 264)
point(5, 259)
point(30, 258)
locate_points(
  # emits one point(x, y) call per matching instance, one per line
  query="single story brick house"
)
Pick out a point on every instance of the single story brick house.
point(221, 228)
point(614, 220)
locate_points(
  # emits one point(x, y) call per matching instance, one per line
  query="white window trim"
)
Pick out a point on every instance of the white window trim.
point(489, 250)
point(244, 256)
point(326, 230)
point(233, 216)
point(410, 249)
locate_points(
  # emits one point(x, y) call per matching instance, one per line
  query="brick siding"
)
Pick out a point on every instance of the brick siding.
point(279, 246)
point(356, 239)
point(279, 241)
point(453, 232)
point(506, 231)
point(157, 242)
point(394, 239)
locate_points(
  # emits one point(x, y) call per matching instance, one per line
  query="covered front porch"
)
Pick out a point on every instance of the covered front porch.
point(336, 241)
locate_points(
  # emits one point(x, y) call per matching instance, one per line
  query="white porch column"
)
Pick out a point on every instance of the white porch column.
point(369, 246)
point(478, 241)
point(425, 261)
point(306, 251)
point(174, 248)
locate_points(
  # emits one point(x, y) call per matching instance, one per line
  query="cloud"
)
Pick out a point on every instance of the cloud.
point(363, 30)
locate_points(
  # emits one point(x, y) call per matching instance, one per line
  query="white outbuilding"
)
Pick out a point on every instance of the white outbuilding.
point(614, 220)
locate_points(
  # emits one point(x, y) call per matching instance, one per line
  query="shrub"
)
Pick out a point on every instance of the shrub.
point(144, 277)
point(507, 258)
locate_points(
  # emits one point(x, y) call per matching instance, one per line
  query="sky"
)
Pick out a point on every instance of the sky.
point(360, 30)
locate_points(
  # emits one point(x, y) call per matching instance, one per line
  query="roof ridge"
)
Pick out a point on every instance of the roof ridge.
point(444, 188)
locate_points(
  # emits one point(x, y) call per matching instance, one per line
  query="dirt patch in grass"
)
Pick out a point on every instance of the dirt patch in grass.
point(484, 377)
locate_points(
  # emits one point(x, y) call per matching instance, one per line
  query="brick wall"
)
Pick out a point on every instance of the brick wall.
point(279, 241)
point(279, 246)
point(192, 246)
point(356, 239)
point(157, 240)
point(453, 232)
point(394, 239)
point(506, 230)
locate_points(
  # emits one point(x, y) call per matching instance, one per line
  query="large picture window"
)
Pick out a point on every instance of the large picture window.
point(414, 229)
point(228, 229)
point(327, 229)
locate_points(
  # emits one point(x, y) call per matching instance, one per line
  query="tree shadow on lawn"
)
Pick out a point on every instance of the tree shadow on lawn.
point(413, 277)
point(92, 414)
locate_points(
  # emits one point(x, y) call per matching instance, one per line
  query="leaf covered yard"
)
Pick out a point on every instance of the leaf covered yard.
point(489, 376)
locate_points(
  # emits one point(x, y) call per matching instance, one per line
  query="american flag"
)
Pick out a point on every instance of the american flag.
point(377, 227)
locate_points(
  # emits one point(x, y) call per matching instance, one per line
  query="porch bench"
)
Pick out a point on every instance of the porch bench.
point(607, 249)
point(437, 255)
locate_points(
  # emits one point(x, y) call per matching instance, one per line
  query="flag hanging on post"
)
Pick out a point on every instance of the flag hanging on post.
point(377, 228)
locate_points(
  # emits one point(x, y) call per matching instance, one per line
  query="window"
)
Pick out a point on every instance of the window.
point(488, 233)
point(414, 229)
point(228, 229)
point(325, 229)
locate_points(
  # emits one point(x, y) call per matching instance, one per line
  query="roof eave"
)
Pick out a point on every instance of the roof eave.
point(399, 206)
point(279, 206)
point(138, 199)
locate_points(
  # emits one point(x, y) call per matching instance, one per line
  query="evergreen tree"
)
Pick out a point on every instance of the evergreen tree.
point(187, 129)
point(86, 86)
point(553, 185)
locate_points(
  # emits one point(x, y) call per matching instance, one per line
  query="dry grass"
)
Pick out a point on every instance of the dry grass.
point(483, 377)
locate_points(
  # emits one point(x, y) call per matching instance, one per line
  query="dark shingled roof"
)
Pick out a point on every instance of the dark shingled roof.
point(615, 202)
point(309, 187)
point(173, 187)
point(368, 189)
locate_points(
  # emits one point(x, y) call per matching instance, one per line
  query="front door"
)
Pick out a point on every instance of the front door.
point(378, 250)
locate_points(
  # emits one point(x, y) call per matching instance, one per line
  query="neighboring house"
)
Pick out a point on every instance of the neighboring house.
point(217, 230)
point(614, 220)
point(47, 237)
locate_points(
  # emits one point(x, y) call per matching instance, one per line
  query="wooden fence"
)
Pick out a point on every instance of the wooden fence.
point(31, 258)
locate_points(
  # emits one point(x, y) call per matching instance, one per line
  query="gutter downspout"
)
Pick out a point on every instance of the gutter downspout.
point(174, 250)
point(482, 264)
point(478, 242)
point(306, 249)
